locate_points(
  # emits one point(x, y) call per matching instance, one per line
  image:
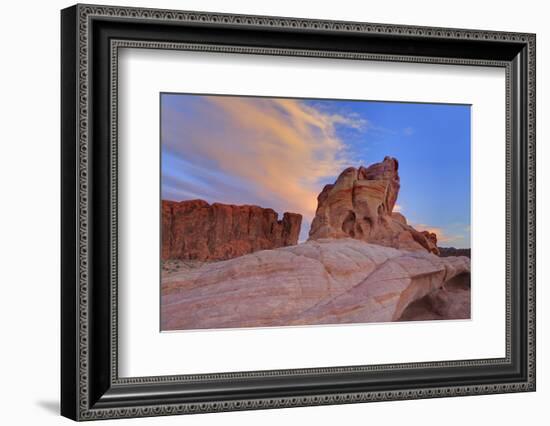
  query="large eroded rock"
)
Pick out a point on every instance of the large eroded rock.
point(328, 281)
point(196, 230)
point(360, 205)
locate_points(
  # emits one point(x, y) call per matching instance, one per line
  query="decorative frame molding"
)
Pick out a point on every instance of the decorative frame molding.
point(91, 388)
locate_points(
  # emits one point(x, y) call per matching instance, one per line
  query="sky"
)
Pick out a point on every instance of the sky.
point(280, 152)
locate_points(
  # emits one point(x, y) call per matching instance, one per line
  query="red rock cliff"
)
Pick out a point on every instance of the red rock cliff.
point(197, 230)
point(360, 205)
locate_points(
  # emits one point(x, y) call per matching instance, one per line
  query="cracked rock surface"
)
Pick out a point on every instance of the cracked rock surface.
point(322, 281)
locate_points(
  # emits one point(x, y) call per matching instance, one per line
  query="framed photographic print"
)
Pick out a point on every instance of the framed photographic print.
point(263, 212)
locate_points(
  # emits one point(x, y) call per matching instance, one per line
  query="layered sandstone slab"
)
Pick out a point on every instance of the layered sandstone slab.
point(196, 230)
point(360, 205)
point(327, 281)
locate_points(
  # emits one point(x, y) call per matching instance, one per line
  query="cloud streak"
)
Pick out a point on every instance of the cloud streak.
point(279, 151)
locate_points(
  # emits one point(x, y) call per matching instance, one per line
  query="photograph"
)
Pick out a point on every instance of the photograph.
point(262, 209)
point(283, 211)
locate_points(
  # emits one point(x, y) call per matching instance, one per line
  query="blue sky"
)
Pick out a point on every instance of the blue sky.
point(279, 153)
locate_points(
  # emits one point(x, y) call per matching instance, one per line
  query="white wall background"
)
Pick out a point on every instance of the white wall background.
point(29, 216)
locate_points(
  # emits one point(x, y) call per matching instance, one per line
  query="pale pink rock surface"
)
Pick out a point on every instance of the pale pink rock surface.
point(327, 281)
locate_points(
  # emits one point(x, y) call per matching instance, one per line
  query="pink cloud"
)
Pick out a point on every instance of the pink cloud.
point(443, 235)
point(282, 147)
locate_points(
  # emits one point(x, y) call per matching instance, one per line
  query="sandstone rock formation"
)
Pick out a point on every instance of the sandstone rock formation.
point(199, 231)
point(360, 205)
point(327, 281)
point(451, 301)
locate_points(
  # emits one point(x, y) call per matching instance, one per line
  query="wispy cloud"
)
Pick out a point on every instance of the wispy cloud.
point(278, 151)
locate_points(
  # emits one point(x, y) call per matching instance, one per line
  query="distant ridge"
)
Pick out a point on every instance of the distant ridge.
point(451, 251)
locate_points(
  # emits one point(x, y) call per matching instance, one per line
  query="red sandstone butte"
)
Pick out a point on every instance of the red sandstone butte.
point(196, 230)
point(360, 205)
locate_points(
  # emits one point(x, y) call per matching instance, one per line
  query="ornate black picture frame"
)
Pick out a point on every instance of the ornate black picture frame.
point(91, 387)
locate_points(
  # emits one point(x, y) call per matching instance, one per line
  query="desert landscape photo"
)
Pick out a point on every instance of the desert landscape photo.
point(284, 212)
